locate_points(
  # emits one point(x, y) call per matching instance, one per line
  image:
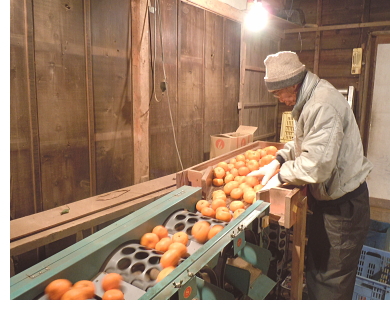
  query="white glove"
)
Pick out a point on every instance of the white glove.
point(272, 183)
point(266, 170)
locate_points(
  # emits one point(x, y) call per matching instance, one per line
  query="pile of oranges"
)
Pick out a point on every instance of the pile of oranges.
point(173, 248)
point(237, 189)
point(63, 289)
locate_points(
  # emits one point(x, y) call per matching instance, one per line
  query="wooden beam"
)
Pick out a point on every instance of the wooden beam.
point(89, 98)
point(45, 220)
point(140, 88)
point(219, 8)
point(317, 44)
point(339, 27)
point(77, 226)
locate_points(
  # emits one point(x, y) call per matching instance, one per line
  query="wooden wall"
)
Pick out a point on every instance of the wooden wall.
point(342, 26)
point(201, 67)
point(71, 95)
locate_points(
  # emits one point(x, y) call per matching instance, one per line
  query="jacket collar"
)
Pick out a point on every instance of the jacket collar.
point(309, 84)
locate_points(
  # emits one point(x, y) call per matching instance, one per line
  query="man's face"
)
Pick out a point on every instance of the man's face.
point(287, 95)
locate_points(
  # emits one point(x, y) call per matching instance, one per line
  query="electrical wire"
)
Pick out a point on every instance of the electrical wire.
point(158, 15)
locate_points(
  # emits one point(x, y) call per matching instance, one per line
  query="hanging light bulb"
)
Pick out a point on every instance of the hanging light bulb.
point(257, 16)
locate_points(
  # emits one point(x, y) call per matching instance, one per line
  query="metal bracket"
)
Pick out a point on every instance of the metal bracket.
point(38, 273)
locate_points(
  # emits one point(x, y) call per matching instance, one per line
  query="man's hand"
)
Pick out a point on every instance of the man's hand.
point(272, 183)
point(267, 170)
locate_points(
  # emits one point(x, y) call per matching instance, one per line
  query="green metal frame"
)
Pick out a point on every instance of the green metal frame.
point(84, 259)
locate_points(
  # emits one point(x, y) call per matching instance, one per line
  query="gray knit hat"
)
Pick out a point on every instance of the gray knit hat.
point(283, 70)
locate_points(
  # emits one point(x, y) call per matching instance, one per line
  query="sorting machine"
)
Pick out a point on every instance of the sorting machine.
point(231, 265)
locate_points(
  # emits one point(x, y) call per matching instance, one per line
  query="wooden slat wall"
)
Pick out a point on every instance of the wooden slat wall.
point(162, 151)
point(334, 52)
point(259, 107)
point(111, 46)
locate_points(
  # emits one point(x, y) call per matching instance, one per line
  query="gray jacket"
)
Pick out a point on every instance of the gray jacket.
point(327, 151)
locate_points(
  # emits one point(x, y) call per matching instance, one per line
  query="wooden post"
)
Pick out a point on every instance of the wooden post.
point(298, 251)
point(318, 38)
point(140, 88)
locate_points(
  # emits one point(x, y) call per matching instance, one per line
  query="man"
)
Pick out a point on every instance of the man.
point(327, 155)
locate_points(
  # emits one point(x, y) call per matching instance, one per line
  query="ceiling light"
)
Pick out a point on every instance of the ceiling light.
point(257, 16)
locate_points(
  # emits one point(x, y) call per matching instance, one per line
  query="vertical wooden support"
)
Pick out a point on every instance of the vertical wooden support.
point(140, 88)
point(89, 98)
point(33, 109)
point(298, 251)
point(318, 38)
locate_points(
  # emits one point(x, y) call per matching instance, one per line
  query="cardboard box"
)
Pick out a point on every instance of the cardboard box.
point(223, 143)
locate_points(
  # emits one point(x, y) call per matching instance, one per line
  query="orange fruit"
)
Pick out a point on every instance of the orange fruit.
point(208, 212)
point(252, 181)
point(165, 272)
point(236, 205)
point(238, 212)
point(232, 161)
point(224, 165)
point(243, 171)
point(75, 294)
point(262, 153)
point(214, 230)
point(57, 288)
point(182, 249)
point(223, 215)
point(271, 150)
point(181, 237)
point(163, 244)
point(240, 157)
point(234, 171)
point(87, 285)
point(253, 155)
point(266, 159)
point(258, 187)
point(217, 182)
point(239, 164)
point(111, 281)
point(253, 165)
point(230, 166)
point(149, 240)
point(219, 196)
point(113, 294)
point(219, 172)
point(240, 179)
point(236, 193)
point(200, 231)
point(230, 186)
point(200, 204)
point(218, 202)
point(249, 196)
point(161, 231)
point(170, 258)
point(228, 178)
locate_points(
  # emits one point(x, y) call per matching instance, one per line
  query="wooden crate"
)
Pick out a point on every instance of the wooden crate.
point(200, 175)
point(284, 201)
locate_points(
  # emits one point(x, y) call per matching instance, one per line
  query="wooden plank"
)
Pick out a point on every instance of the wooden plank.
point(89, 98)
point(190, 84)
point(219, 8)
point(163, 105)
point(339, 27)
point(213, 80)
point(25, 176)
point(69, 228)
point(60, 69)
point(231, 77)
point(51, 218)
point(111, 45)
point(140, 87)
point(298, 251)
